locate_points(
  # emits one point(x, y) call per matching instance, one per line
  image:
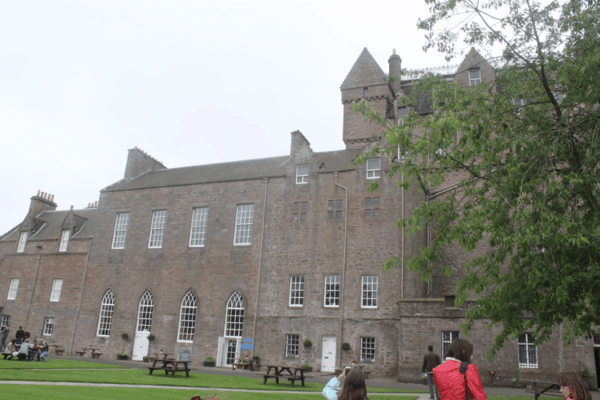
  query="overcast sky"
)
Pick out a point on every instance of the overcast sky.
point(189, 82)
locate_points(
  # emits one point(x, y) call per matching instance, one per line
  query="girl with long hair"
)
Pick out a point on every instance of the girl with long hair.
point(355, 387)
point(573, 387)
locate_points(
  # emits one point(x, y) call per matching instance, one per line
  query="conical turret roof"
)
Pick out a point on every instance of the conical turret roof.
point(365, 72)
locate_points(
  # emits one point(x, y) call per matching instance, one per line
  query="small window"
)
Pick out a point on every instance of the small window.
point(56, 289)
point(301, 174)
point(120, 231)
point(447, 338)
point(331, 204)
point(368, 202)
point(4, 321)
point(367, 349)
point(527, 352)
point(373, 168)
point(376, 202)
point(292, 343)
point(22, 241)
point(297, 206)
point(375, 214)
point(157, 230)
point(296, 291)
point(198, 232)
point(330, 216)
point(338, 215)
point(304, 205)
point(332, 291)
point(303, 217)
point(367, 214)
point(369, 291)
point(187, 318)
point(474, 77)
point(243, 225)
point(365, 92)
point(107, 309)
point(339, 204)
point(48, 327)
point(12, 290)
point(295, 218)
point(64, 240)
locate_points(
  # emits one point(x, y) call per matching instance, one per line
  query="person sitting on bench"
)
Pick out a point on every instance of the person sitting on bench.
point(23, 353)
point(10, 349)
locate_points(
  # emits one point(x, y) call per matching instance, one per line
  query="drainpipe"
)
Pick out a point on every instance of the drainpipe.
point(428, 240)
point(87, 261)
point(402, 250)
point(37, 268)
point(342, 287)
point(262, 244)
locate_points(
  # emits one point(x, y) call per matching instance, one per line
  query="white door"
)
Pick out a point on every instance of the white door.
point(328, 361)
point(228, 351)
point(140, 345)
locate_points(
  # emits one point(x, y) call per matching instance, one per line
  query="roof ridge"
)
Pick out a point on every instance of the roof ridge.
point(218, 163)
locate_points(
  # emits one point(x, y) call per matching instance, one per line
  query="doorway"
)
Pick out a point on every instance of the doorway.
point(141, 345)
point(228, 350)
point(328, 356)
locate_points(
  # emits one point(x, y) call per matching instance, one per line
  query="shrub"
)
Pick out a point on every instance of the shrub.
point(122, 354)
point(345, 346)
point(209, 359)
point(151, 337)
point(125, 335)
point(307, 343)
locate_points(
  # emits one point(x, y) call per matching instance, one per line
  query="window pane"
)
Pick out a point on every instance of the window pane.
point(302, 174)
point(332, 291)
point(48, 327)
point(368, 202)
point(376, 202)
point(234, 317)
point(107, 309)
point(292, 345)
point(198, 232)
point(369, 291)
point(145, 311)
point(120, 231)
point(367, 214)
point(331, 204)
point(22, 241)
point(243, 224)
point(367, 349)
point(64, 241)
point(296, 291)
point(56, 289)
point(330, 216)
point(157, 231)
point(13, 288)
point(187, 318)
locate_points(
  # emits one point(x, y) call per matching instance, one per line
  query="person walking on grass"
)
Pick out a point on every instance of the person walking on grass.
point(430, 361)
point(5, 331)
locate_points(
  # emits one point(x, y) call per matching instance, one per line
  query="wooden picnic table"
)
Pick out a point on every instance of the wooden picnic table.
point(170, 365)
point(95, 353)
point(362, 368)
point(539, 388)
point(249, 364)
point(284, 371)
point(58, 349)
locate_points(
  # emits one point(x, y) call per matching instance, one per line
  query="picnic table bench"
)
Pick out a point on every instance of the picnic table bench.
point(81, 352)
point(285, 372)
point(545, 388)
point(251, 365)
point(169, 365)
point(58, 349)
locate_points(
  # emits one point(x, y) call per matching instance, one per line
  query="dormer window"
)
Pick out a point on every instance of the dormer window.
point(64, 240)
point(22, 241)
point(373, 168)
point(301, 174)
point(474, 77)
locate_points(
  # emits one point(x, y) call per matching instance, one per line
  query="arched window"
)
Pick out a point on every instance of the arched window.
point(187, 317)
point(144, 322)
point(107, 309)
point(234, 318)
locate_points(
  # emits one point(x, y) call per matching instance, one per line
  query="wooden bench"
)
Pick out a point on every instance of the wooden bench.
point(80, 353)
point(292, 379)
point(96, 355)
point(58, 351)
point(276, 377)
point(171, 366)
point(545, 388)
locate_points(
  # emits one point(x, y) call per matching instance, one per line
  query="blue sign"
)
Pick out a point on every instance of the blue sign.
point(246, 344)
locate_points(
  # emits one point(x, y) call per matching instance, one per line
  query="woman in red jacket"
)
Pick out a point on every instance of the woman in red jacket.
point(448, 379)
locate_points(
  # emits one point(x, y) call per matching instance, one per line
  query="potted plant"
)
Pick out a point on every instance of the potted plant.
point(209, 362)
point(517, 380)
point(345, 346)
point(307, 367)
point(124, 335)
point(146, 359)
point(122, 356)
point(307, 343)
point(151, 337)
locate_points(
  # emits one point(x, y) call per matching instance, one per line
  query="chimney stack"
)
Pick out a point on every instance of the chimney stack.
point(395, 64)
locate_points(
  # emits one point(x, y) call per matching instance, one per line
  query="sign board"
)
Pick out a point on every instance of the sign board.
point(184, 355)
point(246, 344)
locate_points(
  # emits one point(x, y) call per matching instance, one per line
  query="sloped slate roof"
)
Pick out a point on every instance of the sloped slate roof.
point(53, 221)
point(234, 171)
point(364, 72)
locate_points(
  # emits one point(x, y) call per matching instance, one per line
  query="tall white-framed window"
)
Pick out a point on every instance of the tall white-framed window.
point(56, 289)
point(474, 76)
point(234, 316)
point(296, 291)
point(368, 294)
point(527, 352)
point(292, 345)
point(157, 230)
point(243, 225)
point(145, 311)
point(332, 291)
point(447, 338)
point(120, 230)
point(4, 321)
point(187, 318)
point(13, 288)
point(48, 326)
point(107, 310)
point(22, 241)
point(373, 168)
point(198, 230)
point(64, 240)
point(367, 349)
point(302, 174)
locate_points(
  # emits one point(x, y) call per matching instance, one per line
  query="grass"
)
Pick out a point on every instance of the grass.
point(55, 363)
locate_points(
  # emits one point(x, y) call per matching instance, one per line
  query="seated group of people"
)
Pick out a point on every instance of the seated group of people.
point(21, 347)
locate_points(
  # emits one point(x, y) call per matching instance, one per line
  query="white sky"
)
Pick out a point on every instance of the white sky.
point(189, 82)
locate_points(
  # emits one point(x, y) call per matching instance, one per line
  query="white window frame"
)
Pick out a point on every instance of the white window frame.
point(474, 81)
point(64, 240)
point(13, 289)
point(244, 218)
point(107, 310)
point(367, 348)
point(369, 291)
point(198, 228)
point(4, 321)
point(187, 325)
point(292, 345)
point(234, 316)
point(48, 326)
point(526, 341)
point(302, 176)
point(57, 284)
point(373, 172)
point(157, 230)
point(296, 291)
point(447, 338)
point(22, 242)
point(120, 234)
point(145, 312)
point(330, 298)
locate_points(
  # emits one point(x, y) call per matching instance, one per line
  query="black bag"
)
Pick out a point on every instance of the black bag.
point(463, 370)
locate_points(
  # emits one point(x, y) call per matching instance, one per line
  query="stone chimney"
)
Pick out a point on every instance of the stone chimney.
point(41, 202)
point(395, 64)
point(139, 163)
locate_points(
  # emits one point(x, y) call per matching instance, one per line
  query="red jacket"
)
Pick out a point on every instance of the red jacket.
point(451, 383)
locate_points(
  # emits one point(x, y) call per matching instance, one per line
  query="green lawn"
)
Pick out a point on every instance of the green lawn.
point(55, 363)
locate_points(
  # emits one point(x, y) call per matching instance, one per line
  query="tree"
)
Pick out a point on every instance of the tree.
point(529, 147)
